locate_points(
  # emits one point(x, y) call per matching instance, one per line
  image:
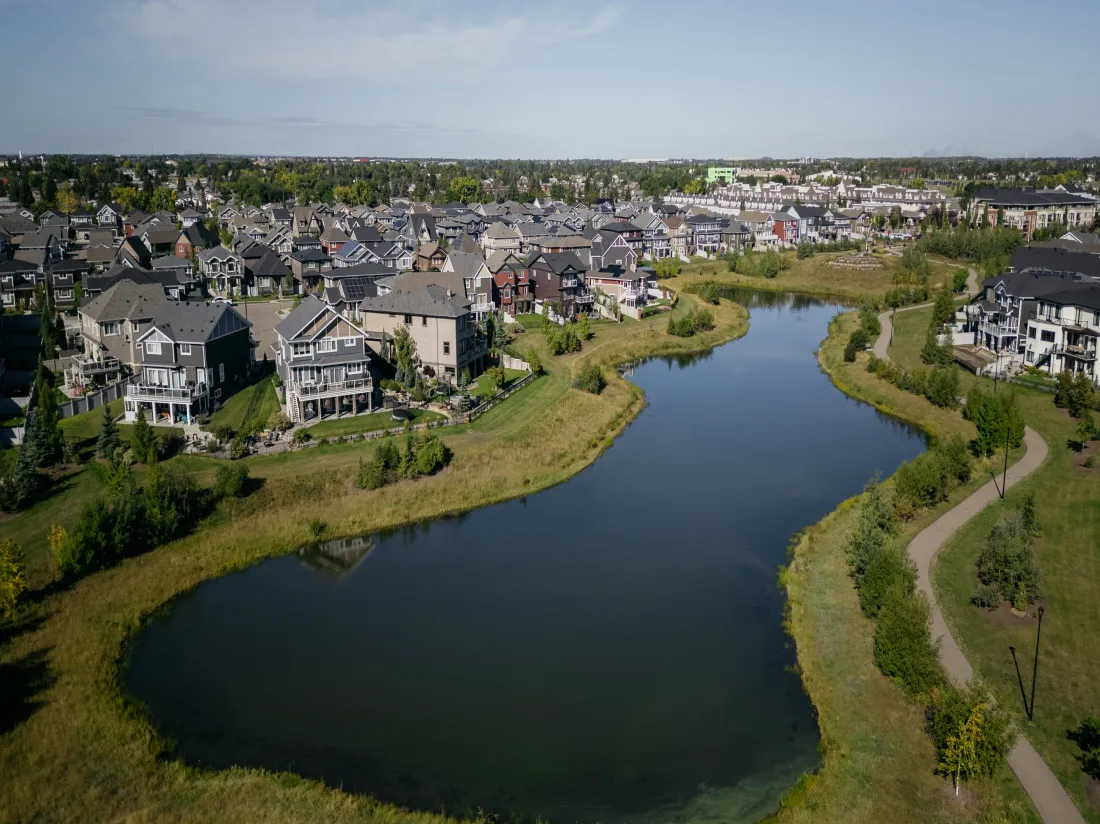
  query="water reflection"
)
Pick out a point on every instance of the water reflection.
point(610, 649)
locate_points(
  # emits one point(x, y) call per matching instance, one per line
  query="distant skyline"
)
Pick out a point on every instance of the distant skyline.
point(627, 79)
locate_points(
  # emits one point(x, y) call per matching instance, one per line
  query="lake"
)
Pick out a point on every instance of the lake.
point(609, 650)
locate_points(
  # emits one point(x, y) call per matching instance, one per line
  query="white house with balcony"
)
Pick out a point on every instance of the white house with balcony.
point(323, 360)
point(1062, 336)
point(222, 270)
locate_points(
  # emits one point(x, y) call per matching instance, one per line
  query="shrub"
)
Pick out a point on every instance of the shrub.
point(534, 361)
point(903, 648)
point(388, 453)
point(168, 502)
point(955, 454)
point(238, 448)
point(371, 474)
point(987, 597)
point(805, 250)
point(875, 525)
point(89, 544)
point(315, 527)
point(889, 571)
point(971, 733)
point(919, 483)
point(942, 388)
point(590, 379)
point(1087, 737)
point(709, 293)
point(224, 432)
point(279, 421)
point(142, 440)
point(12, 578)
point(997, 418)
point(230, 480)
point(171, 442)
point(431, 455)
point(1007, 561)
point(958, 280)
point(300, 437)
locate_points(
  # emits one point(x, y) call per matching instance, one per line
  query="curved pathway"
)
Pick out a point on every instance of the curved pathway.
point(1047, 794)
point(886, 336)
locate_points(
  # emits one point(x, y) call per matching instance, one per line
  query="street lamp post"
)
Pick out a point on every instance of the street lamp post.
point(1035, 668)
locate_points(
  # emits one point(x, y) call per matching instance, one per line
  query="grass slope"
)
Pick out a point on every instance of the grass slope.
point(879, 765)
point(368, 423)
point(76, 749)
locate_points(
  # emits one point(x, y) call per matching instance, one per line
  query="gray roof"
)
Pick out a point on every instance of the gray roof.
point(430, 300)
point(196, 322)
point(171, 262)
point(465, 264)
point(310, 307)
point(126, 299)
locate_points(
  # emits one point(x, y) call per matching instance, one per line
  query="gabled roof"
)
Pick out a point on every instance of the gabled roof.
point(310, 255)
point(195, 322)
point(171, 262)
point(269, 266)
point(430, 300)
point(465, 264)
point(308, 310)
point(558, 262)
point(501, 231)
point(126, 299)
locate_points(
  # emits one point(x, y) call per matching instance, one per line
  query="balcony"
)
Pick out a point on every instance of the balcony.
point(568, 283)
point(87, 367)
point(1078, 352)
point(588, 298)
point(150, 392)
point(307, 390)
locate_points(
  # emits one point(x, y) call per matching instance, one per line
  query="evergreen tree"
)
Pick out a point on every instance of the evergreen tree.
point(141, 440)
point(25, 479)
point(49, 190)
point(107, 442)
point(46, 435)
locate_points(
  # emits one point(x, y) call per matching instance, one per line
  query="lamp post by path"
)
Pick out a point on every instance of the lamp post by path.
point(1035, 669)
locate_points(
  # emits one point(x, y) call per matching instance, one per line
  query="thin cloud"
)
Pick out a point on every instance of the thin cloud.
point(308, 41)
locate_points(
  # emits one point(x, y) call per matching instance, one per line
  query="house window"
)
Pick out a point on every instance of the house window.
point(349, 341)
point(1047, 336)
point(152, 347)
point(355, 368)
point(424, 320)
point(326, 345)
point(1031, 332)
point(112, 328)
point(408, 320)
point(300, 349)
point(1030, 356)
point(185, 349)
point(221, 373)
point(446, 347)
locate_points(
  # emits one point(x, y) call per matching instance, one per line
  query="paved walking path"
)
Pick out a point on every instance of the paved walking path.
point(886, 336)
point(1047, 794)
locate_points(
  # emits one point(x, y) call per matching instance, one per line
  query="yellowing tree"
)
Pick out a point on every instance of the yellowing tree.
point(960, 759)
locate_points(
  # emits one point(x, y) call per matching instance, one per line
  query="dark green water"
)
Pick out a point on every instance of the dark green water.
point(608, 650)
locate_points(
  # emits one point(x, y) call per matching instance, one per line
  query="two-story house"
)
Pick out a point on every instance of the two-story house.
point(1063, 333)
point(500, 237)
point(309, 265)
point(110, 326)
point(559, 280)
point(222, 271)
point(706, 233)
point(440, 323)
point(190, 359)
point(476, 278)
point(810, 220)
point(323, 360)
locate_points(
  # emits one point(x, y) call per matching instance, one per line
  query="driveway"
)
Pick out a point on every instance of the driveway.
point(264, 317)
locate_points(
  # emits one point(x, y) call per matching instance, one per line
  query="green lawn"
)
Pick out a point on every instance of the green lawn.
point(85, 426)
point(484, 391)
point(262, 399)
point(1068, 501)
point(368, 423)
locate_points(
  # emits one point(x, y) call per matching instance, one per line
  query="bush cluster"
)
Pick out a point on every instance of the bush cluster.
point(977, 245)
point(1007, 567)
point(940, 385)
point(697, 320)
point(906, 295)
point(131, 521)
point(422, 456)
point(230, 480)
point(1074, 394)
point(590, 379)
point(866, 333)
point(1087, 737)
point(885, 580)
point(757, 264)
point(668, 267)
point(997, 418)
point(930, 478)
point(561, 340)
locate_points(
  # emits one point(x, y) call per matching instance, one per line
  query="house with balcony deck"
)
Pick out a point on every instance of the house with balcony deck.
point(222, 271)
point(190, 359)
point(110, 326)
point(559, 280)
point(1062, 335)
point(323, 360)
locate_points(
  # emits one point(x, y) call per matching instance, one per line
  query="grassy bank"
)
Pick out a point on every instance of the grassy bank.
point(879, 764)
point(73, 747)
point(814, 276)
point(369, 423)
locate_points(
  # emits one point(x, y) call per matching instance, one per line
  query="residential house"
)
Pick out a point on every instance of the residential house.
point(189, 217)
point(440, 322)
point(65, 276)
point(111, 325)
point(679, 237)
point(133, 252)
point(308, 266)
point(1063, 333)
point(323, 360)
point(706, 231)
point(159, 239)
point(559, 280)
point(222, 271)
point(429, 257)
point(477, 280)
point(332, 238)
point(423, 227)
point(785, 227)
point(810, 220)
point(194, 239)
point(190, 359)
point(109, 216)
point(500, 237)
point(18, 278)
point(307, 221)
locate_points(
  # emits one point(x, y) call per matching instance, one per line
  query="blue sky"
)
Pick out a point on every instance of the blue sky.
point(619, 79)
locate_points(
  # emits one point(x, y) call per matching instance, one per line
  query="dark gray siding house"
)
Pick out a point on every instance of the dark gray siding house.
point(191, 359)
